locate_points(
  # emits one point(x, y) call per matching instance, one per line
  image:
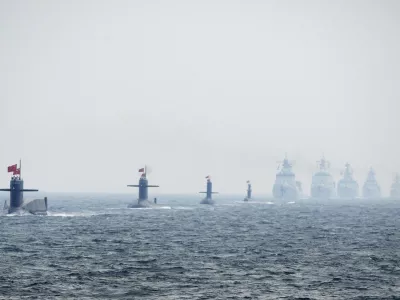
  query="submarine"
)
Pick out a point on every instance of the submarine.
point(248, 197)
point(208, 199)
point(143, 201)
point(17, 203)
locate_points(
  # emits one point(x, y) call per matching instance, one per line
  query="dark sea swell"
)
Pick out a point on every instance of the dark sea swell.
point(92, 247)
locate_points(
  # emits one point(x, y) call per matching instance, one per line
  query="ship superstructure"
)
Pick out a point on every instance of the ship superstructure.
point(208, 199)
point(371, 188)
point(286, 187)
point(395, 188)
point(323, 184)
point(347, 186)
point(17, 203)
point(143, 201)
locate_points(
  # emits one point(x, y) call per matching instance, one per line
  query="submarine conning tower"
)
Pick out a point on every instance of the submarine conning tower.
point(143, 186)
point(249, 190)
point(209, 191)
point(16, 189)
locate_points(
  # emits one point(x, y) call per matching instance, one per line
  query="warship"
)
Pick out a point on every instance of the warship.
point(208, 199)
point(371, 188)
point(286, 187)
point(322, 185)
point(249, 190)
point(347, 186)
point(17, 203)
point(395, 188)
point(143, 201)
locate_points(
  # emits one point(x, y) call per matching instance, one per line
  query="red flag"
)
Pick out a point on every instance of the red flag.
point(17, 172)
point(208, 177)
point(12, 168)
point(141, 170)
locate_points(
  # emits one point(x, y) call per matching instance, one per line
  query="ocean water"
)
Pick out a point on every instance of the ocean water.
point(93, 247)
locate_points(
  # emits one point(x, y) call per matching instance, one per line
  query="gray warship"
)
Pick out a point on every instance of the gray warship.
point(249, 190)
point(286, 187)
point(143, 201)
point(17, 203)
point(347, 186)
point(395, 187)
point(371, 188)
point(322, 185)
point(208, 199)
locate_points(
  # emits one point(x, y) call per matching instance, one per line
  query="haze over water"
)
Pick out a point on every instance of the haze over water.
point(93, 90)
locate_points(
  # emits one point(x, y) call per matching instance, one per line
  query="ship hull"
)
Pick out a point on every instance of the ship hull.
point(371, 193)
point(395, 193)
point(347, 192)
point(371, 190)
point(279, 191)
point(395, 189)
point(322, 192)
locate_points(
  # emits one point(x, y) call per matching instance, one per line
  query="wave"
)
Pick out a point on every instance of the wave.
point(152, 207)
point(71, 214)
point(183, 208)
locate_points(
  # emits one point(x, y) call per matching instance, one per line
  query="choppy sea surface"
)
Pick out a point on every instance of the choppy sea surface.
point(93, 247)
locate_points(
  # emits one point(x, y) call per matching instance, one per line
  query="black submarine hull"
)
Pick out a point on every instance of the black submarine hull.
point(207, 201)
point(141, 204)
point(34, 207)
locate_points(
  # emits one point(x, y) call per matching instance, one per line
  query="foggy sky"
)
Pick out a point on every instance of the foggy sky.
point(90, 91)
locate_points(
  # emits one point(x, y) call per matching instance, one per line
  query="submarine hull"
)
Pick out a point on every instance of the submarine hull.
point(34, 207)
point(207, 201)
point(141, 204)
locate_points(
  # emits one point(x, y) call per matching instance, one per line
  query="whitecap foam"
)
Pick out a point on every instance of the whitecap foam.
point(162, 207)
point(17, 214)
point(183, 208)
point(70, 214)
point(152, 207)
point(139, 208)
